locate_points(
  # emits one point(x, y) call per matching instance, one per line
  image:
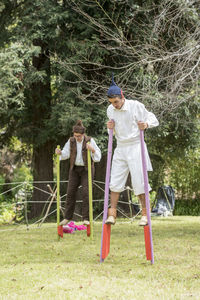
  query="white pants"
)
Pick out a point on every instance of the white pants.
point(128, 159)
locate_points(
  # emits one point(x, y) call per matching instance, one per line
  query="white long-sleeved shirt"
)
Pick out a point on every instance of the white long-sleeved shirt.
point(126, 127)
point(65, 153)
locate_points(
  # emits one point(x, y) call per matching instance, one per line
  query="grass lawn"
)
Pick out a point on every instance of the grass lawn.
point(35, 265)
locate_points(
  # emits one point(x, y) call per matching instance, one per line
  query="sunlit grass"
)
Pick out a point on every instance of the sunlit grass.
point(35, 265)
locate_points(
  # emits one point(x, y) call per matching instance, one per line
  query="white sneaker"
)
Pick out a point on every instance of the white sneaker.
point(110, 220)
point(143, 221)
point(64, 222)
point(86, 222)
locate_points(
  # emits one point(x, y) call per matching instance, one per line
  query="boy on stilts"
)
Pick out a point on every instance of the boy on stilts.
point(76, 150)
point(127, 118)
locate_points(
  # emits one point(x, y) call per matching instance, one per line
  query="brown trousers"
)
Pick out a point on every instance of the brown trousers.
point(77, 176)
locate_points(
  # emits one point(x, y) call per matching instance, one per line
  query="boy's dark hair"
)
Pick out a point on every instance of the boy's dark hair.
point(115, 96)
point(78, 127)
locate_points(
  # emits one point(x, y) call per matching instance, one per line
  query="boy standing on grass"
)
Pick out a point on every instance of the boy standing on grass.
point(127, 118)
point(76, 150)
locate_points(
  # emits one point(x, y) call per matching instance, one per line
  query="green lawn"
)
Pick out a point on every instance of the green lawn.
point(35, 265)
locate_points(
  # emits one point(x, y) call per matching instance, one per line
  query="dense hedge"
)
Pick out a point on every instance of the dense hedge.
point(190, 207)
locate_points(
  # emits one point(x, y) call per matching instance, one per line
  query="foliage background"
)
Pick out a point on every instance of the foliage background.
point(56, 60)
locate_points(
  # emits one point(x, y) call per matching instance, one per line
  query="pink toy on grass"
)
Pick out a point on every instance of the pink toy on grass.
point(71, 227)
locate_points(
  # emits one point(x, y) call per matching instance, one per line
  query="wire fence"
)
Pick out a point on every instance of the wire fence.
point(18, 196)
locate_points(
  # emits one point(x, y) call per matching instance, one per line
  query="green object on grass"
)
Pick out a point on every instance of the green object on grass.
point(90, 193)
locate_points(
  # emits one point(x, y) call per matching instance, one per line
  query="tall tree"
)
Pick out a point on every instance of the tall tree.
point(42, 102)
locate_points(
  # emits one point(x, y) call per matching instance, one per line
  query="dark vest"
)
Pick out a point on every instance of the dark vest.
point(73, 152)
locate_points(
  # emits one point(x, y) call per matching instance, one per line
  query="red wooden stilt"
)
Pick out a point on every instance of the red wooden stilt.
point(60, 230)
point(147, 242)
point(88, 230)
point(106, 240)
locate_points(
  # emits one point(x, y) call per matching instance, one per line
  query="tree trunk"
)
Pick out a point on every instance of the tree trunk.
point(42, 173)
point(41, 100)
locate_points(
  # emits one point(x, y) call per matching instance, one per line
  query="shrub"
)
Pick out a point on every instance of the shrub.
point(190, 207)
